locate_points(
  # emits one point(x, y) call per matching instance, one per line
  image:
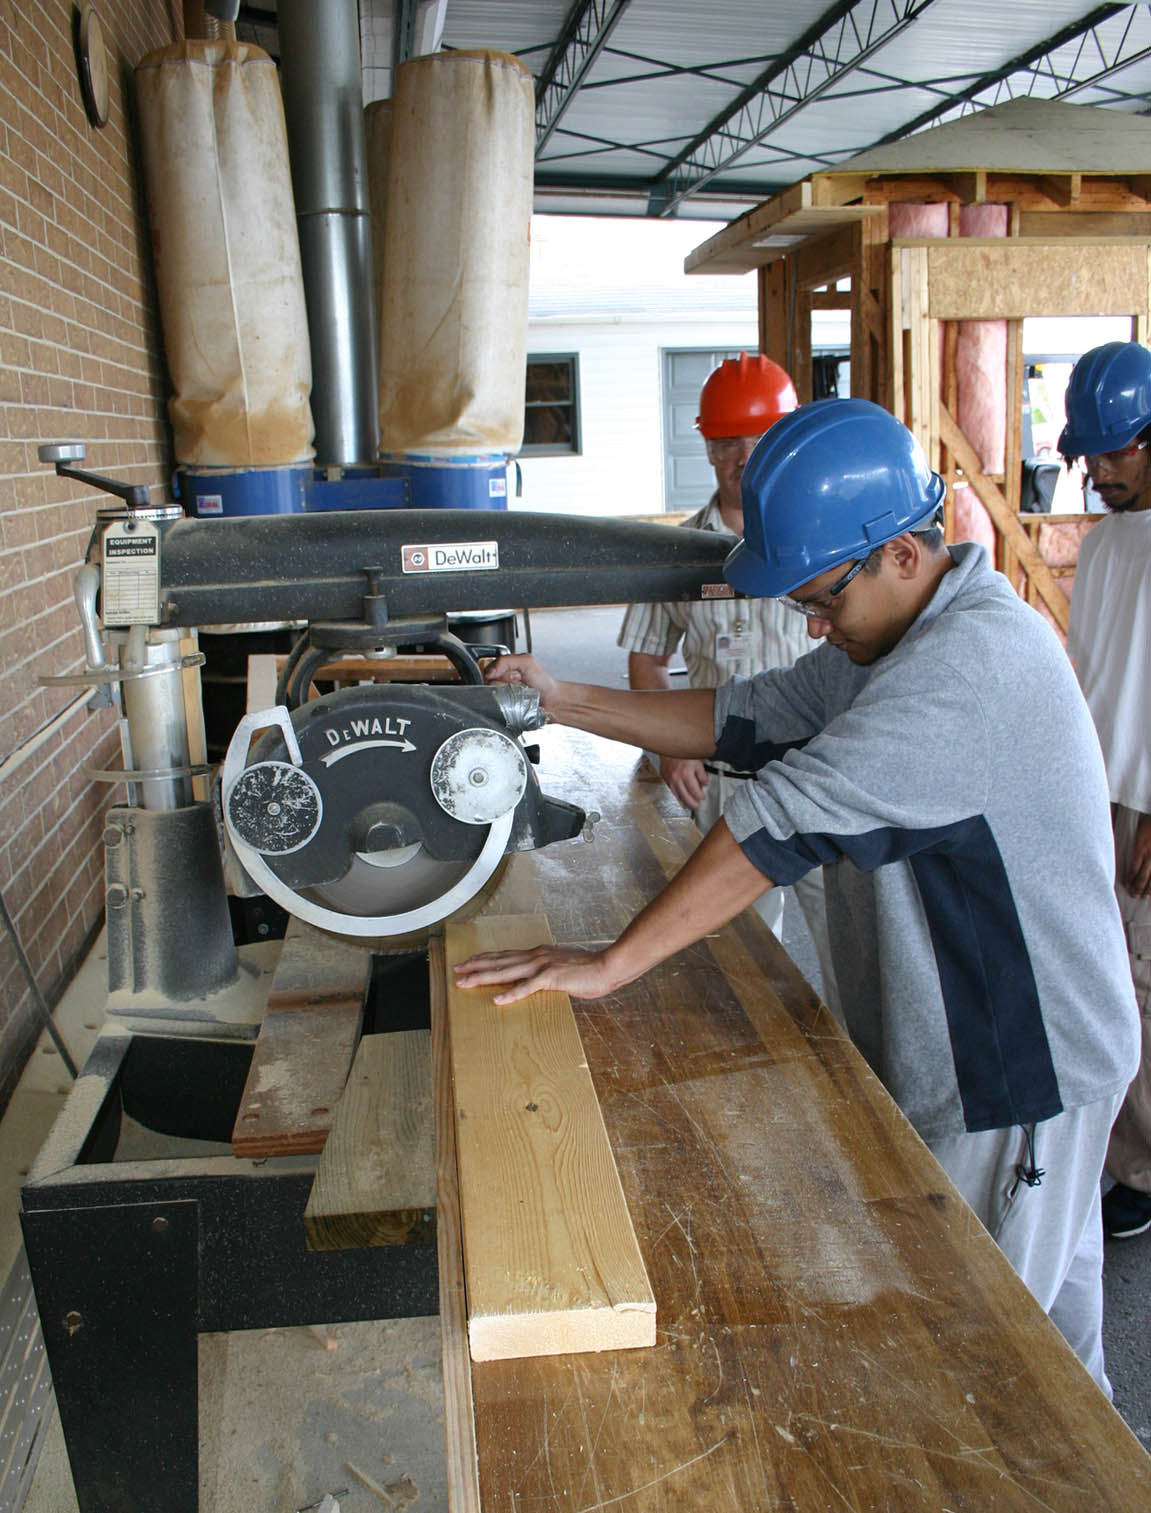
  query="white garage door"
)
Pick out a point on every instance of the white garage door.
point(688, 478)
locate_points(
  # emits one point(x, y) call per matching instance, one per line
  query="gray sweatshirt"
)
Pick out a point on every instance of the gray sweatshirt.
point(954, 792)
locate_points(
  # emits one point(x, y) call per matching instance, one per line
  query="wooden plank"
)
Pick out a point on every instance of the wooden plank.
point(1028, 136)
point(1098, 194)
point(415, 667)
point(913, 188)
point(871, 313)
point(837, 188)
point(801, 367)
point(1013, 439)
point(194, 715)
point(861, 334)
point(1049, 225)
point(551, 1257)
point(977, 278)
point(919, 374)
point(874, 272)
point(775, 284)
point(405, 667)
point(895, 340)
point(971, 187)
point(933, 380)
point(1004, 519)
point(1062, 189)
point(459, 1423)
point(772, 230)
point(836, 1330)
point(375, 1183)
point(950, 382)
point(826, 258)
point(305, 1047)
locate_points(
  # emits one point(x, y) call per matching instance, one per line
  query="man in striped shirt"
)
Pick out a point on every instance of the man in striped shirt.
point(722, 638)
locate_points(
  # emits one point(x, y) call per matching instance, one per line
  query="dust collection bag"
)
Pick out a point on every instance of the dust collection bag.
point(226, 255)
point(454, 304)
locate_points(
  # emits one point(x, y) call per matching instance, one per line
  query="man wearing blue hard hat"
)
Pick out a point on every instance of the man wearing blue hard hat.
point(1109, 640)
point(978, 947)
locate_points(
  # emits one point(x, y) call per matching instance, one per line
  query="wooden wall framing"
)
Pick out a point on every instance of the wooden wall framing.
point(907, 296)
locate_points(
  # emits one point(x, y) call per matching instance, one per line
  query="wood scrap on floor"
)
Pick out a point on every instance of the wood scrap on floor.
point(551, 1258)
point(375, 1183)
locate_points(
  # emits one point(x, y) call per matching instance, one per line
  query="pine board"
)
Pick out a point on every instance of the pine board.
point(459, 1415)
point(375, 1183)
point(551, 1259)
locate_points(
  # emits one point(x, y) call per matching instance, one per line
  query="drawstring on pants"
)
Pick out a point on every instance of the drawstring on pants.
point(1027, 1172)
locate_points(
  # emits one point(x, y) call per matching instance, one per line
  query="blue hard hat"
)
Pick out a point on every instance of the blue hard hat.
point(827, 484)
point(1108, 399)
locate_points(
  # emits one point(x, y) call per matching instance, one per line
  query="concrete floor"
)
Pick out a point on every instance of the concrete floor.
point(289, 1415)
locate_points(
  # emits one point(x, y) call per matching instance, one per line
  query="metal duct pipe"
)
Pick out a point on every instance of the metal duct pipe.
point(323, 107)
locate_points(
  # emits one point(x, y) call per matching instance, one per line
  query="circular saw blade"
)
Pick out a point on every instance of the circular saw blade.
point(414, 940)
point(390, 882)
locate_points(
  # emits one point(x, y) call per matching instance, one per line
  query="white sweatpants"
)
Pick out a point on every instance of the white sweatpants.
point(1053, 1233)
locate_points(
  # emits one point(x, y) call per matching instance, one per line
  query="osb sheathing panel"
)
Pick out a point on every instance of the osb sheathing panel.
point(985, 280)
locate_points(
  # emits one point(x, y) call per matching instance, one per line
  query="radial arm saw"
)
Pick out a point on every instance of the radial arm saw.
point(373, 811)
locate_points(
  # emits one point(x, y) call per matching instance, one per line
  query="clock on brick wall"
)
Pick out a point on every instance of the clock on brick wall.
point(92, 63)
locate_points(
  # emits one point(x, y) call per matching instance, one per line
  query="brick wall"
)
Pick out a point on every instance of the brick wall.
point(79, 360)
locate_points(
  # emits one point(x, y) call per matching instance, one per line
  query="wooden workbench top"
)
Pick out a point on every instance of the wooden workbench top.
point(835, 1329)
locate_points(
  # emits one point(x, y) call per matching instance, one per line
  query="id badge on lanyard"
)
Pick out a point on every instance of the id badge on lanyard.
point(732, 645)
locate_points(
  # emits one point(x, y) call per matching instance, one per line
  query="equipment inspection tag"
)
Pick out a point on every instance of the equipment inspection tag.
point(130, 591)
point(451, 557)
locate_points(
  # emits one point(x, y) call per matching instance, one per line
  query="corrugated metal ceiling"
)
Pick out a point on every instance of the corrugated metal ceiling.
point(675, 107)
point(865, 72)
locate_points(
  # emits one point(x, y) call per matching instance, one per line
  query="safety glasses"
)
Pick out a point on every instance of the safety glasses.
point(823, 605)
point(1113, 457)
point(721, 448)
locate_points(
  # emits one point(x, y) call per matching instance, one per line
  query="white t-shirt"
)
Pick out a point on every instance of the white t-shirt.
point(1109, 642)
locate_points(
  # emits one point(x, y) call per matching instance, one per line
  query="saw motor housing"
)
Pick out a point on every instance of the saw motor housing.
point(382, 809)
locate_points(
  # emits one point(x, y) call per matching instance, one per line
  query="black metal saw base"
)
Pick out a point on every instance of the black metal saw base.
point(132, 1260)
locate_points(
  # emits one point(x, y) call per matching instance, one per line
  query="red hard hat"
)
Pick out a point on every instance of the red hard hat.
point(743, 396)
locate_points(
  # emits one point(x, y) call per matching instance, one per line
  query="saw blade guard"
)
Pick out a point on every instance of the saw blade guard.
point(381, 810)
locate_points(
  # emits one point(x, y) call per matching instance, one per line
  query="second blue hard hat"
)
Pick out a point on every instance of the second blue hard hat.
point(1108, 399)
point(825, 485)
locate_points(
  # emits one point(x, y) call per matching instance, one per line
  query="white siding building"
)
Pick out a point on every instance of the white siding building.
point(612, 294)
